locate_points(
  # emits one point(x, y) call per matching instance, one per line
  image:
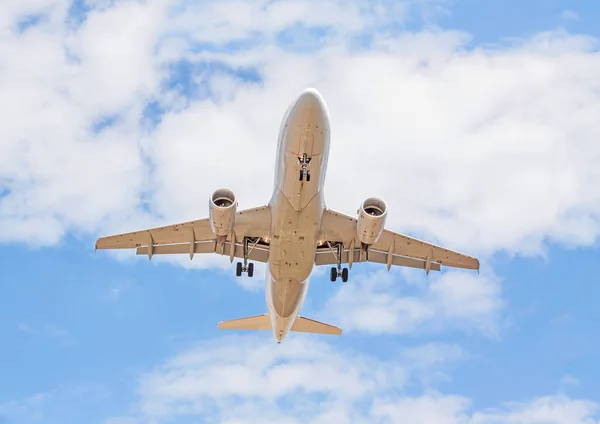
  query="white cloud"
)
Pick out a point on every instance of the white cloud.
point(60, 175)
point(569, 15)
point(547, 409)
point(494, 149)
point(569, 380)
point(249, 368)
point(378, 303)
point(242, 380)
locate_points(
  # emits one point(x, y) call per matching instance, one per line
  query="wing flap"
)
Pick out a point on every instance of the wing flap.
point(258, 254)
point(328, 258)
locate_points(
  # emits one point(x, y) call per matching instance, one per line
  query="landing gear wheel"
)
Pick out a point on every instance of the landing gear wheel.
point(345, 275)
point(307, 176)
point(301, 175)
point(245, 266)
point(333, 275)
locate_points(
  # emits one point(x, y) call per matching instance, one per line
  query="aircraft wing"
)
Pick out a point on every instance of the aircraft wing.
point(197, 237)
point(391, 248)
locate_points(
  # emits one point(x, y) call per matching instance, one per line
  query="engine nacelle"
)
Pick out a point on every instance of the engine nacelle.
point(222, 207)
point(371, 220)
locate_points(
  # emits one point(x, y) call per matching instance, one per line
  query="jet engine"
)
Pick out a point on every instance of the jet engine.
point(222, 212)
point(371, 220)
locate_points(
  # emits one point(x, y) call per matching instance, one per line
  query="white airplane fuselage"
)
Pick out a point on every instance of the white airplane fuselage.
point(297, 207)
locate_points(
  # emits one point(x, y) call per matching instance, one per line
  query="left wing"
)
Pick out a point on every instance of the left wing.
point(391, 248)
point(197, 237)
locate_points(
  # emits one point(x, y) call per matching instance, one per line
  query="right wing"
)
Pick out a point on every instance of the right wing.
point(391, 248)
point(197, 237)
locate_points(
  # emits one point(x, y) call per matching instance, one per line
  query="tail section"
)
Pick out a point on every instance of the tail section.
point(263, 322)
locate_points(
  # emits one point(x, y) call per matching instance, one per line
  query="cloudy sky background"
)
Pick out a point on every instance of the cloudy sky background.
point(476, 121)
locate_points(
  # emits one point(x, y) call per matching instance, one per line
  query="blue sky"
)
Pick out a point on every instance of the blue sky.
point(90, 337)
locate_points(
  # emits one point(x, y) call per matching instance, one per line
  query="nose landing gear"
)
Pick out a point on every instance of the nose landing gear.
point(304, 175)
point(304, 172)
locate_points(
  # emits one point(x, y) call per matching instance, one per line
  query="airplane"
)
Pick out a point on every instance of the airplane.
point(295, 231)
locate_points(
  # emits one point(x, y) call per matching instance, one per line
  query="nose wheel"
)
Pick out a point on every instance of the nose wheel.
point(304, 175)
point(304, 172)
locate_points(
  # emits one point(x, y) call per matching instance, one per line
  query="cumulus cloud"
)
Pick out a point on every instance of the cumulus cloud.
point(378, 302)
point(493, 149)
point(240, 380)
point(250, 368)
point(58, 173)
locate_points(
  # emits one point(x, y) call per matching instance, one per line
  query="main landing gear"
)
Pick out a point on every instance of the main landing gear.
point(338, 272)
point(304, 172)
point(246, 267)
point(334, 273)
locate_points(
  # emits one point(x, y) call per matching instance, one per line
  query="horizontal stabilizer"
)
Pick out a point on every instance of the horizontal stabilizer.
point(263, 322)
point(307, 325)
point(257, 322)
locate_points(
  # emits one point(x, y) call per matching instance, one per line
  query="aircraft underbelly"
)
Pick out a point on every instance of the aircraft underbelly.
point(291, 259)
point(293, 239)
point(286, 296)
point(297, 208)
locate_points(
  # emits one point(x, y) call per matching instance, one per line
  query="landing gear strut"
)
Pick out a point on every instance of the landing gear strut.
point(334, 273)
point(246, 267)
point(304, 172)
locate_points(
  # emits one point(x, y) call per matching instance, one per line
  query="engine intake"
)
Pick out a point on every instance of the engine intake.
point(223, 207)
point(371, 220)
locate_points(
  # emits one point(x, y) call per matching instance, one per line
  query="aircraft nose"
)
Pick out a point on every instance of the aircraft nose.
point(311, 99)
